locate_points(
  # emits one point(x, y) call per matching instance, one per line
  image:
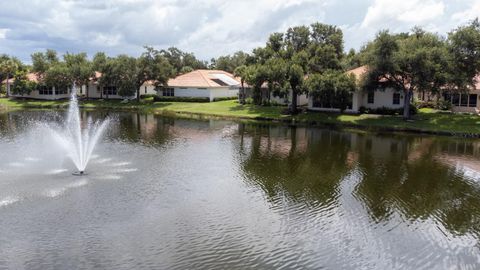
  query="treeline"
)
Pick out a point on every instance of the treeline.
point(304, 59)
point(127, 73)
point(311, 59)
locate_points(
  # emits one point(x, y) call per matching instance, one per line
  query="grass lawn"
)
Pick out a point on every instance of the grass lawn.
point(426, 120)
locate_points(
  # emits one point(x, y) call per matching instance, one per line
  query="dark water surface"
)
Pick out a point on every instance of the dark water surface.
point(165, 193)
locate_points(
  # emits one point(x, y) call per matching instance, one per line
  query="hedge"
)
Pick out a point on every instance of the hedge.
point(387, 111)
point(148, 96)
point(181, 99)
point(224, 98)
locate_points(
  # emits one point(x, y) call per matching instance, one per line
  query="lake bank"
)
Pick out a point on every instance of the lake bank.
point(426, 121)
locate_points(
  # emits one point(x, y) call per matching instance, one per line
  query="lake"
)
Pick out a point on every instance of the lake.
point(171, 193)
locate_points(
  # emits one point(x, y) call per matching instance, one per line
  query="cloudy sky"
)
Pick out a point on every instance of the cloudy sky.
point(208, 28)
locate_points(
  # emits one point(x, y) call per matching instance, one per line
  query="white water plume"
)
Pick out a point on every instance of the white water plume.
point(78, 142)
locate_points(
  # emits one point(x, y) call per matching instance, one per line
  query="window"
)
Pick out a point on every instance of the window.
point(396, 98)
point(61, 91)
point(109, 90)
point(145, 89)
point(447, 97)
point(455, 99)
point(371, 97)
point(472, 100)
point(168, 92)
point(44, 90)
point(219, 82)
point(463, 100)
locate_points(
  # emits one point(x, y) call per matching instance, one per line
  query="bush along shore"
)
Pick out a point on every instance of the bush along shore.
point(428, 121)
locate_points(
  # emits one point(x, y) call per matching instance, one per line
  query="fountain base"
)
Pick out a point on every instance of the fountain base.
point(80, 173)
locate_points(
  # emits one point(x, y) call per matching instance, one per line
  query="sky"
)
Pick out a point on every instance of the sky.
point(208, 28)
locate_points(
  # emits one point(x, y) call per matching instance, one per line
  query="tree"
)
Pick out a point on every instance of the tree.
point(80, 70)
point(41, 62)
point(21, 84)
point(464, 46)
point(332, 87)
point(128, 73)
point(179, 59)
point(407, 63)
point(241, 72)
point(126, 76)
point(295, 75)
point(8, 67)
point(58, 76)
point(153, 66)
point(229, 63)
point(256, 76)
point(276, 70)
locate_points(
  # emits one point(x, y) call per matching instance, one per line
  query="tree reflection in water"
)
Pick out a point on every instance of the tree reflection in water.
point(409, 176)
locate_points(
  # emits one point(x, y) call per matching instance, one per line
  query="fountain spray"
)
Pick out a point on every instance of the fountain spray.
point(79, 142)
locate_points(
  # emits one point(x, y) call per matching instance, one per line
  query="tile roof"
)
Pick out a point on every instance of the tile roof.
point(30, 76)
point(358, 72)
point(201, 78)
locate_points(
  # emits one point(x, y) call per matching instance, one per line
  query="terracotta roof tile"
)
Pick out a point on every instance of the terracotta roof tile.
point(201, 78)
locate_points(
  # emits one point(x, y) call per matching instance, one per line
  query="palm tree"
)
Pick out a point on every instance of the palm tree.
point(241, 71)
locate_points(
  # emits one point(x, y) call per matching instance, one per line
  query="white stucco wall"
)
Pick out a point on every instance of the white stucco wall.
point(356, 101)
point(382, 98)
point(35, 95)
point(301, 99)
point(191, 92)
point(223, 92)
point(210, 93)
point(147, 89)
point(94, 91)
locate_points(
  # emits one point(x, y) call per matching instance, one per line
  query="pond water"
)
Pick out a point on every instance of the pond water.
point(166, 193)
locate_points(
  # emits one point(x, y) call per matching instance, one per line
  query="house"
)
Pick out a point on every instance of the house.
point(389, 97)
point(302, 99)
point(110, 92)
point(94, 90)
point(210, 84)
point(465, 101)
point(148, 88)
point(41, 92)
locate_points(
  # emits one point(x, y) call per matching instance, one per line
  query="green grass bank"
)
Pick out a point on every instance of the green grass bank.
point(426, 121)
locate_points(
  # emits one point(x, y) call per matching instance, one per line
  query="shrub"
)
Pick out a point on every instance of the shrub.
point(249, 100)
point(148, 96)
point(224, 98)
point(425, 104)
point(388, 111)
point(443, 105)
point(362, 110)
point(181, 99)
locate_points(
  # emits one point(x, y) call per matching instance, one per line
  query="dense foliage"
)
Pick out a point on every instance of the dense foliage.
point(303, 59)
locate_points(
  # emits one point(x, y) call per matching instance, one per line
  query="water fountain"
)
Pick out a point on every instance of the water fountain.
point(79, 142)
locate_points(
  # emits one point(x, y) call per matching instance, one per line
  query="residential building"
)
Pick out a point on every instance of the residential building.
point(302, 99)
point(210, 84)
point(468, 101)
point(373, 99)
point(41, 92)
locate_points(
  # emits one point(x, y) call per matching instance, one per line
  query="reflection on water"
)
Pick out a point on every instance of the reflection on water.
point(176, 194)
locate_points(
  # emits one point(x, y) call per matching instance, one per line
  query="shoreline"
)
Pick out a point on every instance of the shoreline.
point(426, 122)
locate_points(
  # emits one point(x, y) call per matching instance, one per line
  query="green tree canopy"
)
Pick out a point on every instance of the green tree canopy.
point(464, 45)
point(333, 87)
point(407, 63)
point(21, 84)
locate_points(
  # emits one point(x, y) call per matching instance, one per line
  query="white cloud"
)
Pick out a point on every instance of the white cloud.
point(470, 13)
point(208, 28)
point(3, 32)
point(382, 12)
